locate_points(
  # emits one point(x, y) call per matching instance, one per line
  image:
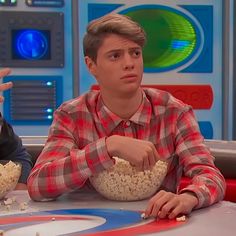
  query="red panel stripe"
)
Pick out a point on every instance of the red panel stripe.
point(198, 96)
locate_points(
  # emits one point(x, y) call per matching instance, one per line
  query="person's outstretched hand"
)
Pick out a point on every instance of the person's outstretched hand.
point(170, 205)
point(4, 86)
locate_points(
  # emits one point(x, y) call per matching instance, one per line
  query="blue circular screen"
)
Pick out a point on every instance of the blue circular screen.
point(32, 44)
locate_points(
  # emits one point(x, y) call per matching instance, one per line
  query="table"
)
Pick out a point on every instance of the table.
point(216, 220)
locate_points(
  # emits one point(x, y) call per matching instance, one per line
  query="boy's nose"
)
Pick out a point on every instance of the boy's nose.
point(128, 62)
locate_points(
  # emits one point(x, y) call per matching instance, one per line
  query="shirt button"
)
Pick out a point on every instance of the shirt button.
point(127, 123)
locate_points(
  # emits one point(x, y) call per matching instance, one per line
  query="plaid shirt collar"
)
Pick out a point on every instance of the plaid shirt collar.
point(110, 121)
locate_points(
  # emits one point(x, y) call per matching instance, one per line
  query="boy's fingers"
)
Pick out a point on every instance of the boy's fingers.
point(6, 86)
point(4, 72)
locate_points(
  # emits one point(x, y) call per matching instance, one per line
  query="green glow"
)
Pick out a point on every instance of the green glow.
point(171, 38)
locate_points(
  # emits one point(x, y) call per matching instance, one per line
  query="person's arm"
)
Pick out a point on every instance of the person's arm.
point(11, 148)
point(63, 166)
point(24, 158)
point(10, 144)
point(207, 183)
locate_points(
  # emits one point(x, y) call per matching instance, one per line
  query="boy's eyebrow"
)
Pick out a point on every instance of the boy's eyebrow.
point(135, 48)
point(114, 50)
point(120, 50)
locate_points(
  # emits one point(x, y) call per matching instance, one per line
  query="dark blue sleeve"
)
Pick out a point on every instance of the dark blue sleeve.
point(11, 148)
point(22, 156)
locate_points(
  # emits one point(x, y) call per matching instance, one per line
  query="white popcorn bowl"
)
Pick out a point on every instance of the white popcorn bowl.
point(9, 175)
point(122, 182)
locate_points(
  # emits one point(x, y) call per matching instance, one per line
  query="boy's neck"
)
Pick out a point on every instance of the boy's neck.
point(126, 106)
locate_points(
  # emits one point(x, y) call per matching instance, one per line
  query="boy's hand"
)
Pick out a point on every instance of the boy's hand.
point(4, 86)
point(170, 205)
point(141, 154)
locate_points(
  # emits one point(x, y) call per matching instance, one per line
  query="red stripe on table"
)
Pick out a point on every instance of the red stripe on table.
point(21, 219)
point(152, 227)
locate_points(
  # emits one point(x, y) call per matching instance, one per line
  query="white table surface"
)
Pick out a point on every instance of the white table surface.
point(217, 220)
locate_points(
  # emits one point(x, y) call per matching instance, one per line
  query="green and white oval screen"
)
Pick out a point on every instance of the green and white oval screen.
point(172, 38)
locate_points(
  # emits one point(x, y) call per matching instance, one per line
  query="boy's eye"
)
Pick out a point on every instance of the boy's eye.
point(114, 56)
point(136, 53)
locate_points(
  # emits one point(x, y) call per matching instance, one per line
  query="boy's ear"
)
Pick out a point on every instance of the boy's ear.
point(91, 65)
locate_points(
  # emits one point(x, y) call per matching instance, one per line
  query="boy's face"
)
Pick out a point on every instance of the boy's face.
point(119, 65)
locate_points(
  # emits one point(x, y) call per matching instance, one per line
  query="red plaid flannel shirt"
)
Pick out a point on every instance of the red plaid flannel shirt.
point(76, 146)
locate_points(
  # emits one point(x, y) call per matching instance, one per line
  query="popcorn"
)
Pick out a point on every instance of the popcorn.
point(9, 176)
point(143, 216)
point(8, 207)
point(181, 218)
point(122, 182)
point(9, 204)
point(23, 206)
point(8, 201)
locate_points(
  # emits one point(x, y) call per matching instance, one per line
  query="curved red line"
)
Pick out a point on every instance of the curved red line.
point(21, 219)
point(155, 226)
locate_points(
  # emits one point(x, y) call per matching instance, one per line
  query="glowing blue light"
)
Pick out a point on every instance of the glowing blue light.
point(49, 117)
point(49, 83)
point(179, 44)
point(32, 44)
point(49, 110)
point(2, 1)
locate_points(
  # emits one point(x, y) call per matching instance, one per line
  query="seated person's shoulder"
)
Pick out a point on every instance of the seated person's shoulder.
point(85, 102)
point(163, 99)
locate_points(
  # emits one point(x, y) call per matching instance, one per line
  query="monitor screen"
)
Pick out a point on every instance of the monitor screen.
point(31, 44)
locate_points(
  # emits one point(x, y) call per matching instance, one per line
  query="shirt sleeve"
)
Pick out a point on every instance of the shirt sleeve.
point(11, 148)
point(22, 156)
point(207, 183)
point(62, 166)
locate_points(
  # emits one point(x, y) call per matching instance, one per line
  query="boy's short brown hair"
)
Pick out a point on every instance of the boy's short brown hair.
point(112, 23)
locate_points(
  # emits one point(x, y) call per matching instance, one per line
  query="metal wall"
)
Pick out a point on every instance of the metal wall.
point(196, 31)
point(37, 44)
point(204, 77)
